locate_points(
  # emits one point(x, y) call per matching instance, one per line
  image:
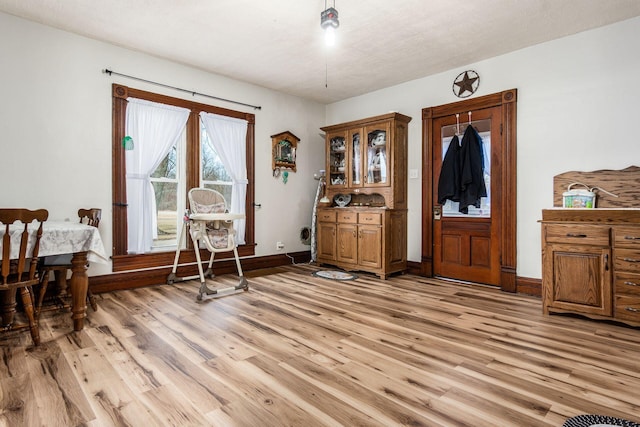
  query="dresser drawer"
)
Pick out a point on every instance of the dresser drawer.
point(577, 234)
point(347, 217)
point(626, 283)
point(369, 218)
point(327, 216)
point(626, 237)
point(627, 307)
point(627, 260)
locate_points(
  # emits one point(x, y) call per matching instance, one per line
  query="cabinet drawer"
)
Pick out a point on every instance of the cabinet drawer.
point(627, 260)
point(347, 217)
point(626, 237)
point(577, 234)
point(627, 283)
point(327, 216)
point(628, 307)
point(369, 218)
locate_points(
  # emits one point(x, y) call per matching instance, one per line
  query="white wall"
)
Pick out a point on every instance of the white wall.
point(577, 106)
point(55, 129)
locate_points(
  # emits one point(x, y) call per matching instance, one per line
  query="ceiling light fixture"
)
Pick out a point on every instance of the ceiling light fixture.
point(329, 22)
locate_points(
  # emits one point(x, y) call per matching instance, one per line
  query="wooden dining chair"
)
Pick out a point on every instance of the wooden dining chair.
point(60, 265)
point(19, 266)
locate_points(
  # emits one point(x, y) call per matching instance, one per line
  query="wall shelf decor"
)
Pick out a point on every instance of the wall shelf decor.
point(283, 152)
point(466, 84)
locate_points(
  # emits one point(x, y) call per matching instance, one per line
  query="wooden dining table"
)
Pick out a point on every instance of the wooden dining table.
point(60, 238)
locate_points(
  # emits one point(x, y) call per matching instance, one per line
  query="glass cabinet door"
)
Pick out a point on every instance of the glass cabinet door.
point(337, 166)
point(355, 151)
point(376, 155)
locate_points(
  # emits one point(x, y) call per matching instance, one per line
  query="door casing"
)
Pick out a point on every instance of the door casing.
point(506, 212)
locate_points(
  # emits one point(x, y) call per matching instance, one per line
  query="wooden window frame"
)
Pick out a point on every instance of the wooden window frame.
point(125, 262)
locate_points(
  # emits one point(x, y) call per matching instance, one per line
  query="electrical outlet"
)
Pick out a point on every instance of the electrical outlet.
point(279, 245)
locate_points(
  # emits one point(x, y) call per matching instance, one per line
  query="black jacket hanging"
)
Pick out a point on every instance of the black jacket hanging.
point(449, 181)
point(472, 186)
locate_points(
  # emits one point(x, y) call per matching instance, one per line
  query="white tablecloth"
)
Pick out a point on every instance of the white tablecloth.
point(61, 237)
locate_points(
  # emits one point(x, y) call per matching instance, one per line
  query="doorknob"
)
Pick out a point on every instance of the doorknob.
point(437, 212)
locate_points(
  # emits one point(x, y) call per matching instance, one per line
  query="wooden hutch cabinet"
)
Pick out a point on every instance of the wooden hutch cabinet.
point(365, 226)
point(591, 257)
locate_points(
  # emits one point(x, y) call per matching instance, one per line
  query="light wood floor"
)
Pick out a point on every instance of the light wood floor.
point(297, 350)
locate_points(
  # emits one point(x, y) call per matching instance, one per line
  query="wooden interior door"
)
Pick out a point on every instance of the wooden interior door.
point(466, 245)
point(479, 246)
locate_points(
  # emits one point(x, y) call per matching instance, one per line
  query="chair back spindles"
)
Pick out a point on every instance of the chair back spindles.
point(26, 217)
point(90, 216)
point(13, 271)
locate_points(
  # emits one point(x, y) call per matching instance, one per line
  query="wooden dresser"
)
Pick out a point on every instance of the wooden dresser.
point(591, 257)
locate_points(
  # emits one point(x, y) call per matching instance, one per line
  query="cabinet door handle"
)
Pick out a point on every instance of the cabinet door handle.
point(631, 259)
point(631, 283)
point(354, 233)
point(581, 236)
point(632, 309)
point(606, 262)
point(631, 238)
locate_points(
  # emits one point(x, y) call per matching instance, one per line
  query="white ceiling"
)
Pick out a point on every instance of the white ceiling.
point(279, 44)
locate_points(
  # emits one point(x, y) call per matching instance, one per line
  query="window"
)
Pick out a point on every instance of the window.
point(170, 201)
point(212, 172)
point(192, 162)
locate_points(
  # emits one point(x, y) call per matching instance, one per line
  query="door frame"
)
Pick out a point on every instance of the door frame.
point(507, 100)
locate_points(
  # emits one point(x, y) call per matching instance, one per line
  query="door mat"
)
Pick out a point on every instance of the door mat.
point(335, 275)
point(598, 421)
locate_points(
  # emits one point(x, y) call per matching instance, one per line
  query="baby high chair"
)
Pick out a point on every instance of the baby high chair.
point(209, 223)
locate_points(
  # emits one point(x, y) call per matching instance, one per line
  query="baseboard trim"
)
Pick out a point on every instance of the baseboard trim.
point(524, 285)
point(156, 276)
point(529, 286)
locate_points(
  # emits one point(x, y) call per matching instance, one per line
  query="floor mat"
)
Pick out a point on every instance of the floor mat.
point(598, 421)
point(335, 275)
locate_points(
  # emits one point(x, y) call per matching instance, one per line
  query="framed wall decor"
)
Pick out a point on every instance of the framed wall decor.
point(283, 151)
point(466, 84)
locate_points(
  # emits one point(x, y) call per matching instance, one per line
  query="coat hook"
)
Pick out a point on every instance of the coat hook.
point(469, 117)
point(457, 123)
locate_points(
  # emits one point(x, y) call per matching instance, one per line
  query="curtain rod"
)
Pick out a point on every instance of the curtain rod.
point(110, 72)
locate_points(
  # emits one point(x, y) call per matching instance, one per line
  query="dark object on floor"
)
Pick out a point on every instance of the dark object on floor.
point(597, 420)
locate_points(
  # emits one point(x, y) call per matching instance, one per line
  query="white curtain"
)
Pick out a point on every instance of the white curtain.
point(154, 129)
point(229, 137)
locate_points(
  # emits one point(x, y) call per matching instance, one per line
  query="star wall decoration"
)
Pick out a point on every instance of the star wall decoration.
point(466, 84)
